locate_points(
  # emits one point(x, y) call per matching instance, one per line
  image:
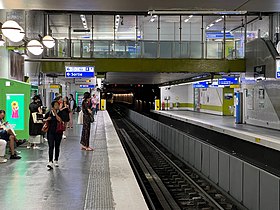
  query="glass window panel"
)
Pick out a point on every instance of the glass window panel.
point(258, 25)
point(101, 49)
point(185, 49)
point(169, 28)
point(166, 49)
point(214, 36)
point(191, 36)
point(125, 27)
point(81, 26)
point(148, 28)
point(120, 49)
point(76, 48)
point(133, 49)
point(103, 27)
point(150, 49)
point(59, 26)
point(63, 47)
point(87, 49)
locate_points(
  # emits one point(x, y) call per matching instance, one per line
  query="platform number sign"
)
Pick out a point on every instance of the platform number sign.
point(278, 69)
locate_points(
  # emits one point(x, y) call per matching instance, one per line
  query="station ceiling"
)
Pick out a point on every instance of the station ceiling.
point(144, 5)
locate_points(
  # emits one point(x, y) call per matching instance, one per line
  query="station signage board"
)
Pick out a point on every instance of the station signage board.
point(201, 85)
point(85, 81)
point(278, 69)
point(79, 71)
point(227, 81)
point(87, 86)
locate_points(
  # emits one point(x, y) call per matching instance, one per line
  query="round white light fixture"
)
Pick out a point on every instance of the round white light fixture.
point(48, 41)
point(17, 37)
point(35, 47)
point(10, 29)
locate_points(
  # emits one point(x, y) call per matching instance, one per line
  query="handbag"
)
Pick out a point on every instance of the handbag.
point(91, 118)
point(60, 127)
point(37, 117)
point(81, 118)
point(45, 127)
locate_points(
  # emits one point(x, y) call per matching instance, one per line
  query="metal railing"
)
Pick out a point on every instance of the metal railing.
point(144, 49)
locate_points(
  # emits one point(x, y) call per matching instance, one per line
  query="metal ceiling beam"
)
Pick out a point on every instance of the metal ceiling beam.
point(152, 65)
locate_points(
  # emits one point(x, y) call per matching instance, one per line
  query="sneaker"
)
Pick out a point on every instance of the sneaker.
point(3, 160)
point(50, 165)
point(28, 147)
point(56, 163)
point(64, 137)
point(45, 139)
point(36, 147)
point(15, 157)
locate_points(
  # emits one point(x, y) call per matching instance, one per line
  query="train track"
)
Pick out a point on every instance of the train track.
point(166, 182)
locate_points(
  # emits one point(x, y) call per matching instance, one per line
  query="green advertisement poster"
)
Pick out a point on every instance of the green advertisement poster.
point(15, 110)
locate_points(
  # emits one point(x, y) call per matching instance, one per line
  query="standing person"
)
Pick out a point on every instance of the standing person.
point(8, 135)
point(97, 104)
point(35, 129)
point(86, 122)
point(93, 103)
point(71, 107)
point(64, 109)
point(54, 138)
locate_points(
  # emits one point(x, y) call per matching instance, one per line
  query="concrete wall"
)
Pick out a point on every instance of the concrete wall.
point(211, 100)
point(183, 94)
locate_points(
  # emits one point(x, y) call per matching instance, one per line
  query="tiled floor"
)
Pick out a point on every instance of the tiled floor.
point(27, 184)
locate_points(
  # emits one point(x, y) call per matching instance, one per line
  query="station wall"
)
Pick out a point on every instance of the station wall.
point(218, 101)
point(182, 94)
point(261, 104)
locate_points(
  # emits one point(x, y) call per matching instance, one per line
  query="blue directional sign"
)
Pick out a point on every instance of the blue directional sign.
point(87, 86)
point(228, 81)
point(79, 74)
point(278, 69)
point(201, 85)
point(79, 71)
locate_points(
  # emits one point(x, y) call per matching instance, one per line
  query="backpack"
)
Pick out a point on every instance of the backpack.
point(75, 105)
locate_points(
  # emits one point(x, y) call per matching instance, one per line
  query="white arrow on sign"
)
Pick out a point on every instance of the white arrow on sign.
point(68, 74)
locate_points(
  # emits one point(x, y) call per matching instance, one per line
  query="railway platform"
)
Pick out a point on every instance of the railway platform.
point(102, 179)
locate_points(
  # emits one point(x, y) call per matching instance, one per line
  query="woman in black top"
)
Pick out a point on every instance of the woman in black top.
point(86, 122)
point(54, 138)
point(35, 128)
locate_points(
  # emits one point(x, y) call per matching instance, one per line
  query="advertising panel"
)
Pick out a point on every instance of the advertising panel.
point(15, 110)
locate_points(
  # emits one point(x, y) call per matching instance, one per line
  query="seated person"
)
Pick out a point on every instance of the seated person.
point(3, 144)
point(8, 135)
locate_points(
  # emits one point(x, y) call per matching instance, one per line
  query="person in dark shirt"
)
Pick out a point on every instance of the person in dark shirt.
point(35, 129)
point(54, 138)
point(86, 108)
